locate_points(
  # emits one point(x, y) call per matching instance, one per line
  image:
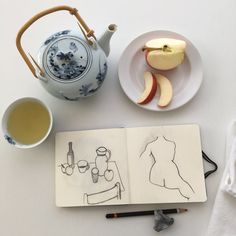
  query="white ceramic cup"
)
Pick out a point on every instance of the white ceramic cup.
point(5, 119)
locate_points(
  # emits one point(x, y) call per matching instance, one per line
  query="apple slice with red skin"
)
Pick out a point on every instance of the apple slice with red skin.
point(166, 91)
point(164, 53)
point(150, 88)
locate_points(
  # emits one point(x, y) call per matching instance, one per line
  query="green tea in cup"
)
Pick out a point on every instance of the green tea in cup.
point(27, 122)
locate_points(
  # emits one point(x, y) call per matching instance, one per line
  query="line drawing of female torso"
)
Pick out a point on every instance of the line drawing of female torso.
point(164, 172)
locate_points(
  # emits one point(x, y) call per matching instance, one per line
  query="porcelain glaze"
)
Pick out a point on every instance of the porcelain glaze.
point(73, 68)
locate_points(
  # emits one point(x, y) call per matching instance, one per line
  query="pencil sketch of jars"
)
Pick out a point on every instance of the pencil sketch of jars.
point(101, 160)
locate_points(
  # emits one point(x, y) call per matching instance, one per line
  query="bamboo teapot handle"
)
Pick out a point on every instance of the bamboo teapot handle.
point(87, 32)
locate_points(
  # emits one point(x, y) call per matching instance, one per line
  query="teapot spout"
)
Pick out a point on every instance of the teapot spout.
point(104, 41)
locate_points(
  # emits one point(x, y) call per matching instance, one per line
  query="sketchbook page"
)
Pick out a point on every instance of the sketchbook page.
point(165, 164)
point(91, 168)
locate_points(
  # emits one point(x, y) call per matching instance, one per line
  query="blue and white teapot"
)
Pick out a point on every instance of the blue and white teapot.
point(70, 65)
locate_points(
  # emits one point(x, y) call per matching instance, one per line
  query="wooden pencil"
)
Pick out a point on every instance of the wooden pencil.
point(143, 213)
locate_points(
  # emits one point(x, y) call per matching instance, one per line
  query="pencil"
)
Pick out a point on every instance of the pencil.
point(143, 213)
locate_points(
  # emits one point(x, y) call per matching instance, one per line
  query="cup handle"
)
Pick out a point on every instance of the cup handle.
point(88, 166)
point(109, 156)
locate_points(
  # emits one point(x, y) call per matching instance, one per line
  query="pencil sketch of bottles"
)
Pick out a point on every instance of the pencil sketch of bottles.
point(70, 155)
point(68, 168)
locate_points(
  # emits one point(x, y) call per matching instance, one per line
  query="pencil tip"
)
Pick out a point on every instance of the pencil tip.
point(182, 210)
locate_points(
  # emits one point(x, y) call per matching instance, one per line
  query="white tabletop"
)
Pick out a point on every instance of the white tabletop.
point(27, 193)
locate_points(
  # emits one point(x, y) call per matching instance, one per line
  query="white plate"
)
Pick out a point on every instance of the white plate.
point(186, 78)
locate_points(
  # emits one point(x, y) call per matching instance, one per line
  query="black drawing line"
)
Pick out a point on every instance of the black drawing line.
point(68, 167)
point(147, 145)
point(121, 183)
point(176, 164)
point(176, 167)
point(102, 158)
point(83, 166)
point(101, 151)
point(102, 194)
point(119, 190)
point(108, 179)
point(100, 168)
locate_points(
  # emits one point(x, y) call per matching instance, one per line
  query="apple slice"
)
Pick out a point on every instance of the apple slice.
point(150, 88)
point(164, 60)
point(169, 42)
point(166, 91)
point(164, 53)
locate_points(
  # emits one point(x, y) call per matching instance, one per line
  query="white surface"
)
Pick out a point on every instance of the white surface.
point(27, 194)
point(222, 221)
point(185, 79)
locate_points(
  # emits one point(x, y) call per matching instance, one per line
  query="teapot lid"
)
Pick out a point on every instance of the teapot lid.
point(67, 58)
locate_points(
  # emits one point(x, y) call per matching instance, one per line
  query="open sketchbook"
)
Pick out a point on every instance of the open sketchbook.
point(129, 166)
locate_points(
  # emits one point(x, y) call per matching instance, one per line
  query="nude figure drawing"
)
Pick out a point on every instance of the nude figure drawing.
point(164, 172)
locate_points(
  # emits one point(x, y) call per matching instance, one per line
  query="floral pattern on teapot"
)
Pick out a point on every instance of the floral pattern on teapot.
point(55, 36)
point(67, 61)
point(91, 88)
point(86, 89)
